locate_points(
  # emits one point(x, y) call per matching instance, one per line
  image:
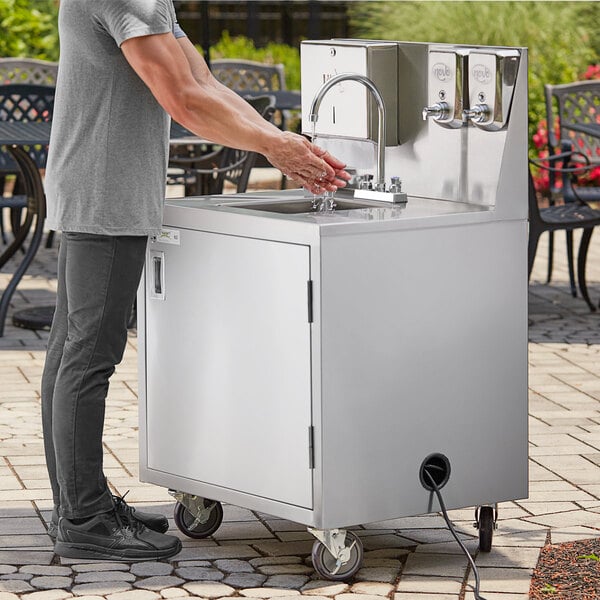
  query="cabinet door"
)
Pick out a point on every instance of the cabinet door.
point(228, 364)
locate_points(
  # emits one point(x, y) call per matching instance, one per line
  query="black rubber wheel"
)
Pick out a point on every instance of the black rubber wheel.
point(324, 562)
point(486, 528)
point(184, 520)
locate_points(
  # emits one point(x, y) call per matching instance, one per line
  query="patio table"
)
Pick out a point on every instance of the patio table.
point(16, 137)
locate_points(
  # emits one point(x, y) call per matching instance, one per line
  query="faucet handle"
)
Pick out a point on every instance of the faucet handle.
point(396, 184)
point(366, 182)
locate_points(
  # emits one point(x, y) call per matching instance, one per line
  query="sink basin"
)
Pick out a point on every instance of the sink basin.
point(298, 206)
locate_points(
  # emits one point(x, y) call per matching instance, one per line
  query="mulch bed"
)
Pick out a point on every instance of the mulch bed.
point(569, 571)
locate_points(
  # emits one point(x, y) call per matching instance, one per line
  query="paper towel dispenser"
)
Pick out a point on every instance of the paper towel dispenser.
point(348, 110)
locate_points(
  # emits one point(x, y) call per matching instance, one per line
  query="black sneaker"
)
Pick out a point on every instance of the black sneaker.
point(154, 521)
point(109, 537)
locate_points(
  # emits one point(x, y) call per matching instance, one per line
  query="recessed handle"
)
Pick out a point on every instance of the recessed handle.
point(156, 270)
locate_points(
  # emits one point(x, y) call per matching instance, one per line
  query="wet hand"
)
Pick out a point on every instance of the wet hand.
point(310, 166)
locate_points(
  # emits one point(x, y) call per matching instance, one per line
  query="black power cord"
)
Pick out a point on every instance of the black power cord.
point(436, 489)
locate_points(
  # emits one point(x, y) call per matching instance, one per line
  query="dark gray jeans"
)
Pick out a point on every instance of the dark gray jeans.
point(98, 277)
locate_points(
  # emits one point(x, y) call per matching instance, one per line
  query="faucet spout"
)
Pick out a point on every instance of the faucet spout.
point(316, 103)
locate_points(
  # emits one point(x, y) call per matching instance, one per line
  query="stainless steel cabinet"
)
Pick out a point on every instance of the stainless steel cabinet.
point(323, 411)
point(228, 355)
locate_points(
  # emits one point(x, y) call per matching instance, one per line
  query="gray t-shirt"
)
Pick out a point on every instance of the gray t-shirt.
point(108, 153)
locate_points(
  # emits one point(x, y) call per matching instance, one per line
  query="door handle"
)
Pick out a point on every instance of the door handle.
point(157, 275)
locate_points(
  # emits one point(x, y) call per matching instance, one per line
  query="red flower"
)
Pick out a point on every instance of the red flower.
point(595, 176)
point(539, 140)
point(593, 72)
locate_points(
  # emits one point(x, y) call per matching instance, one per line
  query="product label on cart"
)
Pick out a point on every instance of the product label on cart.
point(168, 236)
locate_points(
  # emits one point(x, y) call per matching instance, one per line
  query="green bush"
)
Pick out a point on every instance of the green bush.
point(29, 29)
point(244, 48)
point(563, 37)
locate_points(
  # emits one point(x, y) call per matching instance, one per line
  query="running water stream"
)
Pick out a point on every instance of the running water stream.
point(324, 201)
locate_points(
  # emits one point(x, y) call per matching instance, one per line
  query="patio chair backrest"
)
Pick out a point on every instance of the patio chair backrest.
point(27, 70)
point(25, 102)
point(248, 77)
point(576, 103)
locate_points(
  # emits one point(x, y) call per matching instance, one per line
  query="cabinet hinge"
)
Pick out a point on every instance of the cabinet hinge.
point(309, 289)
point(311, 447)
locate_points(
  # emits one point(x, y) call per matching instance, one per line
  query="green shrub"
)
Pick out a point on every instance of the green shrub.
point(29, 29)
point(562, 37)
point(244, 48)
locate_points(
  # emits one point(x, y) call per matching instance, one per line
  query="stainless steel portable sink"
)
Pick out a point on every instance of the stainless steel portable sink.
point(315, 364)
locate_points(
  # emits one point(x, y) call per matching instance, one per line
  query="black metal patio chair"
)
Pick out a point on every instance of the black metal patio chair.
point(573, 120)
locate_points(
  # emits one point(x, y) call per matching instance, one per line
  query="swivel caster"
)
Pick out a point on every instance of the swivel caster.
point(197, 517)
point(337, 554)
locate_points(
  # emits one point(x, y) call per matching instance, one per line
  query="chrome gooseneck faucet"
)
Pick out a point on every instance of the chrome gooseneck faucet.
point(316, 103)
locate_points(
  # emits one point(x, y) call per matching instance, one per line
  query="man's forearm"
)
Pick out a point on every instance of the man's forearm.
point(203, 76)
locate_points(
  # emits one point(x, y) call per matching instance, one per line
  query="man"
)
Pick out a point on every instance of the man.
point(124, 65)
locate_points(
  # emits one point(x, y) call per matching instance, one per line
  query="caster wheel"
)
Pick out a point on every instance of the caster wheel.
point(486, 528)
point(325, 564)
point(186, 521)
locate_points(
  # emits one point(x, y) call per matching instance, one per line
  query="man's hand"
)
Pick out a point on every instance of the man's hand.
point(307, 164)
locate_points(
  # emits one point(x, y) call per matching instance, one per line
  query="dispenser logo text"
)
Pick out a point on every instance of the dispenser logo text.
point(481, 73)
point(441, 71)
